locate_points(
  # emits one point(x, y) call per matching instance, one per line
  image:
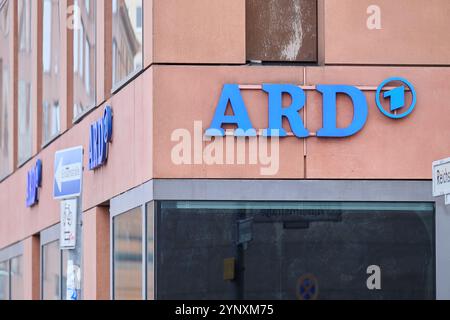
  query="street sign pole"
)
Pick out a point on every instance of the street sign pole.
point(73, 291)
point(67, 187)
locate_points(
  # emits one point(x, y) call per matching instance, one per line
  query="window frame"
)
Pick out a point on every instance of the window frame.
point(139, 198)
point(28, 49)
point(116, 87)
point(76, 32)
point(47, 237)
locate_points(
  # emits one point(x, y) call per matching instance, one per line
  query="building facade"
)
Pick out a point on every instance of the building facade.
point(334, 201)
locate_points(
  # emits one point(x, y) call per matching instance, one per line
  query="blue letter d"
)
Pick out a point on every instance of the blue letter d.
point(360, 111)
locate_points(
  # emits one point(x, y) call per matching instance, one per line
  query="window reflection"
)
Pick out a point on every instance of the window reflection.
point(17, 278)
point(5, 106)
point(24, 74)
point(84, 62)
point(334, 241)
point(51, 271)
point(51, 70)
point(4, 280)
point(127, 39)
point(128, 255)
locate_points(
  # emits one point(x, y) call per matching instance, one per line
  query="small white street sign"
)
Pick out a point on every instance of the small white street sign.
point(68, 224)
point(441, 177)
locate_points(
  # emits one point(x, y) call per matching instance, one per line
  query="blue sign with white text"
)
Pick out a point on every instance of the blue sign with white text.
point(34, 182)
point(231, 95)
point(100, 135)
point(68, 173)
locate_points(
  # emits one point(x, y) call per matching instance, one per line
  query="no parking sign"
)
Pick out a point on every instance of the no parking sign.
point(307, 287)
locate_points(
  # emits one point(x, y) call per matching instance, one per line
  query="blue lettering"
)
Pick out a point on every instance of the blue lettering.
point(277, 112)
point(100, 135)
point(34, 182)
point(360, 111)
point(231, 94)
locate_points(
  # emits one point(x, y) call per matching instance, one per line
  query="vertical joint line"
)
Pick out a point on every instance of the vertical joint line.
point(305, 119)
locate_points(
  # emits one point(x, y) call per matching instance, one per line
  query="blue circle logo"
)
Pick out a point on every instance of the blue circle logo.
point(397, 97)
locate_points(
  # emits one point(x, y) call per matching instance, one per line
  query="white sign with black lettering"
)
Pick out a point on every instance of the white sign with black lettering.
point(441, 177)
point(68, 223)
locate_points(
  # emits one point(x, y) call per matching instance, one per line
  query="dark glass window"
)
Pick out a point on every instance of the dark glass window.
point(295, 250)
point(281, 30)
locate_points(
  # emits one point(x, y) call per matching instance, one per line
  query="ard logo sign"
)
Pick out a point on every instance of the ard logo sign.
point(231, 95)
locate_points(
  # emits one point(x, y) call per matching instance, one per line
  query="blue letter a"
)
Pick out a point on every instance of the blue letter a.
point(232, 94)
point(360, 111)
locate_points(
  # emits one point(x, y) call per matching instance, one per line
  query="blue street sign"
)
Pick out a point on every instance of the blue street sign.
point(68, 173)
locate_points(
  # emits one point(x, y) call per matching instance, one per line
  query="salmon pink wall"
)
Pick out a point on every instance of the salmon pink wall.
point(412, 32)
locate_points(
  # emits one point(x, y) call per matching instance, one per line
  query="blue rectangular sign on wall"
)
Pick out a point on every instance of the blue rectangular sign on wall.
point(68, 173)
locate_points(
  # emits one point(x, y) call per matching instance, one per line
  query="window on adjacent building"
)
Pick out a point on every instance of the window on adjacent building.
point(25, 65)
point(84, 62)
point(54, 266)
point(51, 70)
point(281, 30)
point(5, 101)
point(127, 39)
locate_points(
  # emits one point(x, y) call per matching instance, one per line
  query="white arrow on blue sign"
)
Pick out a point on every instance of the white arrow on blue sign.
point(68, 174)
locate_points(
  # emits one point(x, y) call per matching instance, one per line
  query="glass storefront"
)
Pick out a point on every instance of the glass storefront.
point(272, 250)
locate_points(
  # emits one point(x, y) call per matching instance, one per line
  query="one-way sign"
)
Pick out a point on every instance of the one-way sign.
point(68, 173)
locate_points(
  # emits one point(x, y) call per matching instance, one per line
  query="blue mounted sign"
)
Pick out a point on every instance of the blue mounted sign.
point(231, 95)
point(68, 173)
point(100, 135)
point(34, 182)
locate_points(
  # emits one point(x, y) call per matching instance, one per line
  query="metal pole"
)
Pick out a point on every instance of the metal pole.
point(74, 275)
